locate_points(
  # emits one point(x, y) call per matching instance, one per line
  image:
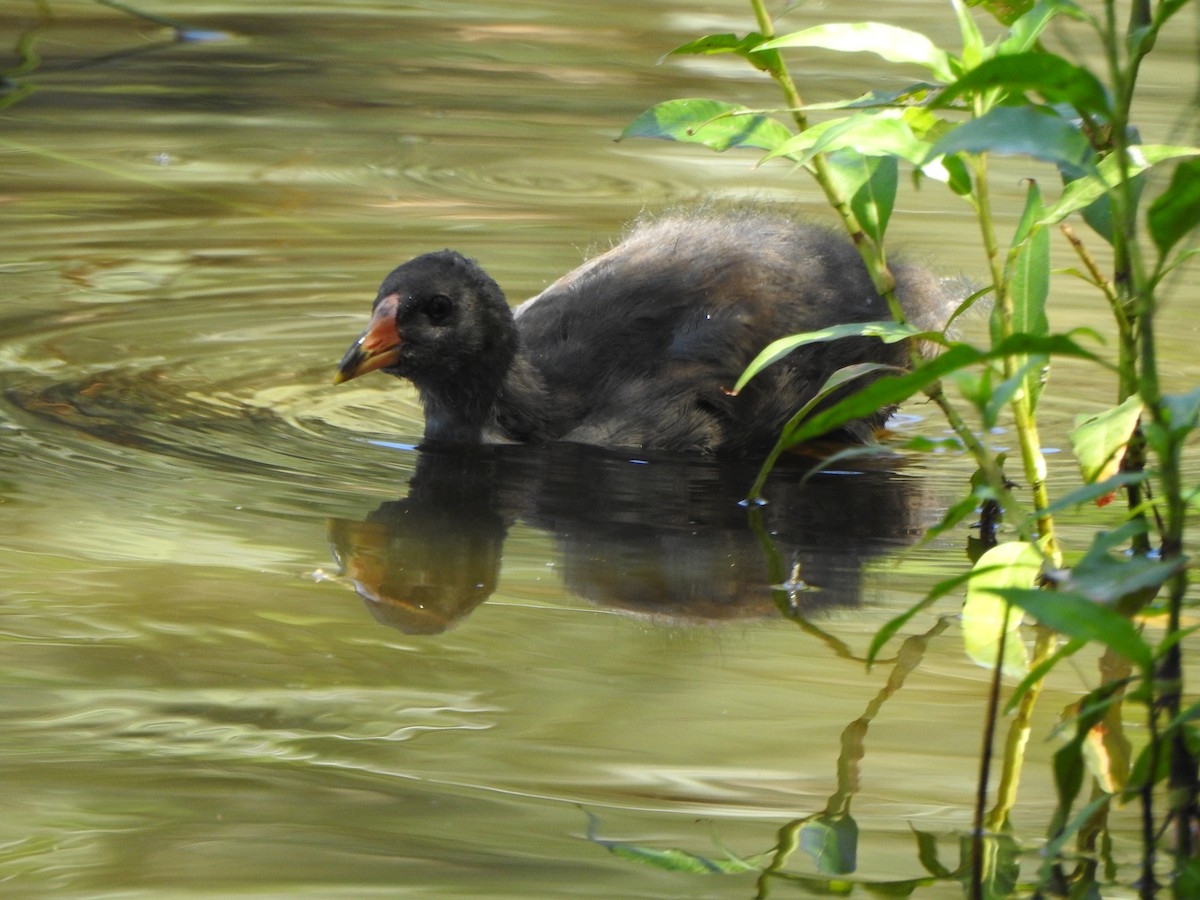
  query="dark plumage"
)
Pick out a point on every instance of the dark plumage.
point(638, 346)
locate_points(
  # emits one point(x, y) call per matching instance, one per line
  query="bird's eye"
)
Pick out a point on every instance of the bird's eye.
point(437, 308)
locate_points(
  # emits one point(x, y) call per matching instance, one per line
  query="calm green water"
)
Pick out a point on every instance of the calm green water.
point(245, 655)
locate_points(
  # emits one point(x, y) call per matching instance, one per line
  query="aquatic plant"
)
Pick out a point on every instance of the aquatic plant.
point(1012, 96)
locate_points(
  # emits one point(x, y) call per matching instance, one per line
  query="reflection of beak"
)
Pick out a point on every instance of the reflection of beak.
point(379, 345)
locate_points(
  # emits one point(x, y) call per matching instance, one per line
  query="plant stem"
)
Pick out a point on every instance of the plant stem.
point(876, 263)
point(872, 254)
point(1018, 736)
point(1138, 289)
point(1032, 461)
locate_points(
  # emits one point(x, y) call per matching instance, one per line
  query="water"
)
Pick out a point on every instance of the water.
point(256, 644)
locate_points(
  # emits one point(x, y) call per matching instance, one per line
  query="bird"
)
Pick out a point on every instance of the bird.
point(639, 346)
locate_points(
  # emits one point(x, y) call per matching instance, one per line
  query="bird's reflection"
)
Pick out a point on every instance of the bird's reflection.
point(657, 536)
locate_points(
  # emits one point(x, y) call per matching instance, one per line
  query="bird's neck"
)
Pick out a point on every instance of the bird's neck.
point(461, 411)
point(505, 404)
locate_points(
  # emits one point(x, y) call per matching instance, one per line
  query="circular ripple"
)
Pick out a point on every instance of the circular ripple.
point(548, 182)
point(187, 399)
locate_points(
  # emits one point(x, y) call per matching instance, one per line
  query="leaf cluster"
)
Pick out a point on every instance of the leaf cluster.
point(1012, 96)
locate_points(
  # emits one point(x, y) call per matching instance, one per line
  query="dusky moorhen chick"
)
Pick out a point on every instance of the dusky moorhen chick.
point(639, 346)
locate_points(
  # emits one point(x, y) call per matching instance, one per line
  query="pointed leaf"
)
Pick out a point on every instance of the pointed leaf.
point(1090, 493)
point(1019, 131)
point(972, 37)
point(1182, 411)
point(1028, 378)
point(890, 391)
point(939, 590)
point(1056, 79)
point(959, 175)
point(1107, 576)
point(670, 859)
point(1084, 191)
point(1028, 274)
point(914, 95)
point(714, 124)
point(1029, 271)
point(1028, 28)
point(731, 43)
point(1177, 210)
point(1040, 671)
point(888, 332)
point(1169, 8)
point(892, 43)
point(872, 133)
point(1076, 616)
point(870, 182)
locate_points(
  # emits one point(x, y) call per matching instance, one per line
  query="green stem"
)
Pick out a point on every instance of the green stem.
point(872, 255)
point(1018, 736)
point(1138, 289)
point(876, 263)
point(1032, 461)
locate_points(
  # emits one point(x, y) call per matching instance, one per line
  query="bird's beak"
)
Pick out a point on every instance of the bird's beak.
point(377, 347)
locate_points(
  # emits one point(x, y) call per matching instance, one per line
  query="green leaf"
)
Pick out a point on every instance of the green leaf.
point(986, 615)
point(1099, 213)
point(1182, 411)
point(731, 43)
point(1107, 576)
point(959, 175)
point(1035, 675)
point(714, 124)
point(870, 182)
point(941, 589)
point(871, 133)
point(888, 332)
point(718, 43)
point(1141, 772)
point(1018, 131)
point(892, 43)
point(1028, 378)
point(1056, 79)
point(1168, 9)
point(889, 391)
point(1177, 210)
point(914, 95)
point(1187, 878)
point(1090, 493)
point(1099, 441)
point(1028, 274)
point(1028, 269)
point(972, 38)
point(1028, 28)
point(1084, 191)
point(1076, 616)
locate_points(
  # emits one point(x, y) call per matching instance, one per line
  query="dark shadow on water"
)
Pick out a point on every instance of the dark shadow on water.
point(655, 536)
point(651, 535)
